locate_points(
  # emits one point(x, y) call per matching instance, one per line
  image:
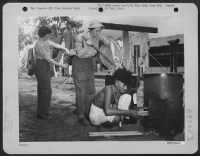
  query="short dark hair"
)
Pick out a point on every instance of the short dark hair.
point(43, 30)
point(124, 76)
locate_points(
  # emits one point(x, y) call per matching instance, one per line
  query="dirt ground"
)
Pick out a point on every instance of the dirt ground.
point(64, 125)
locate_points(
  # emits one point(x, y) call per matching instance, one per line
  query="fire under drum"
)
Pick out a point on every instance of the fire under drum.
point(163, 95)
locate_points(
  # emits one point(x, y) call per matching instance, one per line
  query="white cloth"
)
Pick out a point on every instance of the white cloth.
point(135, 98)
point(70, 70)
point(97, 115)
point(124, 102)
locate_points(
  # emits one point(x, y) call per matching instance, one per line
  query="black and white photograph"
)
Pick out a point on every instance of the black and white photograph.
point(99, 79)
point(103, 78)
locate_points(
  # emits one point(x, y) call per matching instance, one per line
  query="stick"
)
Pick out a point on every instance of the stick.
point(61, 82)
point(119, 133)
point(115, 135)
point(114, 132)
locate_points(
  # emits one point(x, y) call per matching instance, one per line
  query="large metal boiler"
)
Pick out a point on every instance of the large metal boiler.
point(163, 95)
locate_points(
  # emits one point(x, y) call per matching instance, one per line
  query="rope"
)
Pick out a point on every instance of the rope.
point(159, 63)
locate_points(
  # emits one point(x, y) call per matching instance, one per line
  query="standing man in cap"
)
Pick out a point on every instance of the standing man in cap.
point(84, 65)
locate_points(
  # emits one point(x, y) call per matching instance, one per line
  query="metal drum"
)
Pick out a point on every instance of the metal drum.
point(163, 95)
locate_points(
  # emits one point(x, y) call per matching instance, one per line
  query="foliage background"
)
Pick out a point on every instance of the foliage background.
point(28, 28)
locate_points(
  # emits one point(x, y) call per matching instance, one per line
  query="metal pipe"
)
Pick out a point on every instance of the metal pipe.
point(173, 55)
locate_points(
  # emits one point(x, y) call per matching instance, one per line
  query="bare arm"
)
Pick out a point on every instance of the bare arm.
point(50, 60)
point(114, 111)
point(55, 45)
point(58, 46)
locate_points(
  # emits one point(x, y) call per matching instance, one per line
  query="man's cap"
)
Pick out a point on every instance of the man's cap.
point(95, 24)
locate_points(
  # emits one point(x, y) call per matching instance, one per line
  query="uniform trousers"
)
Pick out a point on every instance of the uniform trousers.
point(44, 91)
point(83, 75)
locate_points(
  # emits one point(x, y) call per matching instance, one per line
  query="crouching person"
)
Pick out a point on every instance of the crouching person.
point(111, 103)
